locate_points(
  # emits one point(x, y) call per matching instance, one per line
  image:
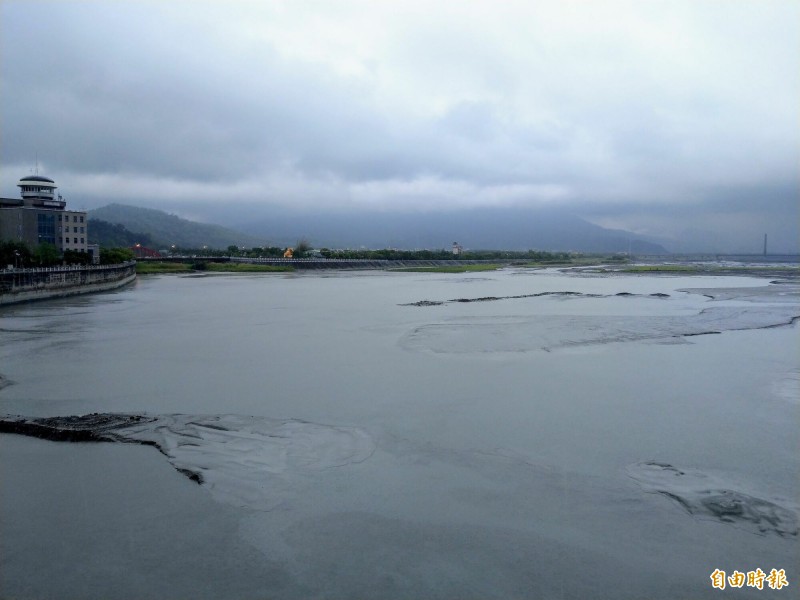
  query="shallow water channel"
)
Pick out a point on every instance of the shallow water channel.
point(521, 434)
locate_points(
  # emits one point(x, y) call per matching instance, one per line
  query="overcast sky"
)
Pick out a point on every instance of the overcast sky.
point(660, 117)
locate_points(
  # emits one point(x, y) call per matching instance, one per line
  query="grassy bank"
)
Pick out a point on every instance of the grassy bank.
point(661, 268)
point(246, 268)
point(144, 268)
point(449, 269)
point(561, 263)
point(777, 270)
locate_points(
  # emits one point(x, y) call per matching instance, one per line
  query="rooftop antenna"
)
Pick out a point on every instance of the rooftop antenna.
point(765, 244)
point(37, 163)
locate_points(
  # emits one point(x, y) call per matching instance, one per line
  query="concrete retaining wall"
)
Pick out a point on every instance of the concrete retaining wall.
point(25, 285)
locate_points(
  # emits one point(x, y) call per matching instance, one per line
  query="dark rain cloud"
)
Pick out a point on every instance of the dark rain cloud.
point(180, 105)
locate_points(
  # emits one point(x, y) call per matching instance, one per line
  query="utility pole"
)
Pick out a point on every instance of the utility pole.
point(765, 244)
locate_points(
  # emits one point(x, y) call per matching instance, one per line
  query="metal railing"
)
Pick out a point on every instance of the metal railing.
point(21, 280)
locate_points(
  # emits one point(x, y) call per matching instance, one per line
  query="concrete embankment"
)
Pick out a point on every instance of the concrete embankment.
point(26, 285)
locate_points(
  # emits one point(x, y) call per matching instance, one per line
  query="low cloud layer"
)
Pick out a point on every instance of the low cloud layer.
point(659, 117)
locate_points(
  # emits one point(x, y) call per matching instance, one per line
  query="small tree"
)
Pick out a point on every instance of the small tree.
point(113, 256)
point(73, 257)
point(302, 248)
point(46, 254)
point(16, 254)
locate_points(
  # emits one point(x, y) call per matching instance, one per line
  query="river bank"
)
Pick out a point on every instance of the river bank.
point(26, 285)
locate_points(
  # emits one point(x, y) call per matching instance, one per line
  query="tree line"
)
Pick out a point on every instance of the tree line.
point(19, 255)
point(303, 250)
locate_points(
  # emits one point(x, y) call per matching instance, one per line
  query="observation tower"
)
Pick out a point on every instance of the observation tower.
point(40, 192)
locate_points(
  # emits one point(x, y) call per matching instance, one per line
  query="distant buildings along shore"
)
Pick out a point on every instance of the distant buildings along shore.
point(39, 216)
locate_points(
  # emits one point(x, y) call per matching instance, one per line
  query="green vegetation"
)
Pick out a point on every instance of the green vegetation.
point(712, 269)
point(661, 268)
point(449, 269)
point(576, 260)
point(111, 235)
point(15, 254)
point(46, 255)
point(301, 249)
point(146, 268)
point(114, 256)
point(73, 257)
point(255, 252)
point(153, 267)
point(246, 268)
point(445, 254)
point(166, 230)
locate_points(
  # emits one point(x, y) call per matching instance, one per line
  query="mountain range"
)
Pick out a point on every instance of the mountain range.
point(485, 229)
point(162, 230)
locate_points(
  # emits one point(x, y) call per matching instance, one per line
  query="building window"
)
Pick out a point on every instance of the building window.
point(82, 228)
point(82, 241)
point(76, 240)
point(81, 221)
point(46, 228)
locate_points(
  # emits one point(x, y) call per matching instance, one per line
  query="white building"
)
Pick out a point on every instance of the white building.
point(39, 216)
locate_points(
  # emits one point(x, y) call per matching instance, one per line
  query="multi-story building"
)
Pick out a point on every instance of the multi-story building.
point(40, 216)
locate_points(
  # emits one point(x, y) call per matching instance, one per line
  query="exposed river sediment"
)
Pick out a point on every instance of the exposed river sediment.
point(391, 435)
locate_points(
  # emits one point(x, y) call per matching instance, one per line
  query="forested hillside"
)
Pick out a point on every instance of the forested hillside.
point(166, 230)
point(111, 235)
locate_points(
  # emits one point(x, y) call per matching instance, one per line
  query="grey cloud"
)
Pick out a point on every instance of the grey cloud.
point(131, 92)
point(142, 110)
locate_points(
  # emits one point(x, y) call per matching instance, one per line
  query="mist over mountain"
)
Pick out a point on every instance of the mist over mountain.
point(113, 235)
point(164, 229)
point(487, 229)
point(480, 228)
